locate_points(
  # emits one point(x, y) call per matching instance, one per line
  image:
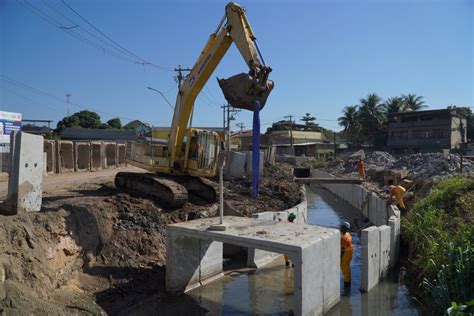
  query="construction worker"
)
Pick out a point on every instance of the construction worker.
point(398, 192)
point(361, 168)
point(346, 252)
point(291, 218)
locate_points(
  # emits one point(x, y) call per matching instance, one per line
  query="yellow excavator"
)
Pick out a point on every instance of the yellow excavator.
point(180, 165)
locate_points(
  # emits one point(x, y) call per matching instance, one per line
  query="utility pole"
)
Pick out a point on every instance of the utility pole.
point(68, 96)
point(180, 77)
point(335, 145)
point(290, 117)
point(228, 110)
point(241, 125)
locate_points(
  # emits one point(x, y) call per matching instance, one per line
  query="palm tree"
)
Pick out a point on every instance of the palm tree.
point(394, 105)
point(350, 121)
point(412, 102)
point(371, 116)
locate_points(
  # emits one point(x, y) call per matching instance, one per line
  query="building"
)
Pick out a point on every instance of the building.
point(98, 134)
point(284, 137)
point(441, 130)
point(319, 150)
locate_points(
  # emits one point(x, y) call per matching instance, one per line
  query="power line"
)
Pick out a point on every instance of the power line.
point(70, 31)
point(61, 100)
point(144, 61)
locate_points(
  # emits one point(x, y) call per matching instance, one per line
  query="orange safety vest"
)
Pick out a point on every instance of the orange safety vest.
point(346, 241)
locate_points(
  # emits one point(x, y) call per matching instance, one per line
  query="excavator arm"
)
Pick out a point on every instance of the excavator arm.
point(240, 90)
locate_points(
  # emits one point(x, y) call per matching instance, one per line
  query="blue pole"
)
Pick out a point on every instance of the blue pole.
point(255, 149)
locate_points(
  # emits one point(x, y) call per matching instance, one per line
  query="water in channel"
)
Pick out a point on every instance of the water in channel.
point(269, 290)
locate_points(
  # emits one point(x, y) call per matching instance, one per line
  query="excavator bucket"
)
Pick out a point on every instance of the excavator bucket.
point(239, 91)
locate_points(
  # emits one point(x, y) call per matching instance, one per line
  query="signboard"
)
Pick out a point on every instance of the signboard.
point(9, 122)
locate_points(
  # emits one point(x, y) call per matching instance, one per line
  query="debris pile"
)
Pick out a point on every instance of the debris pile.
point(431, 166)
point(435, 166)
point(380, 159)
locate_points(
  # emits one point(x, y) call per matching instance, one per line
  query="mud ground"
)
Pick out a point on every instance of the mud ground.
point(95, 250)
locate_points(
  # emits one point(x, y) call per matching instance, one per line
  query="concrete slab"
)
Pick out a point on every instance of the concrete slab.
point(65, 151)
point(235, 165)
point(110, 154)
point(308, 246)
point(394, 223)
point(97, 156)
point(248, 164)
point(384, 250)
point(82, 156)
point(49, 147)
point(370, 258)
point(26, 174)
point(121, 154)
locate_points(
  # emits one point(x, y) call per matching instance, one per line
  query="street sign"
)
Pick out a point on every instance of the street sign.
point(9, 122)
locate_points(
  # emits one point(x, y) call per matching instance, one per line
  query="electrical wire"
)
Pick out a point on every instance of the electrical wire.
point(144, 61)
point(61, 100)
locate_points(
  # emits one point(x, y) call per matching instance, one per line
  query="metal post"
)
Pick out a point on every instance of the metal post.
point(256, 149)
point(221, 192)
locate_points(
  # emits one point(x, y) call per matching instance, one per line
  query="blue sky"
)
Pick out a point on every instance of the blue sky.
point(325, 55)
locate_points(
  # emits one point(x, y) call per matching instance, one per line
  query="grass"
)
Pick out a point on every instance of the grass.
point(437, 230)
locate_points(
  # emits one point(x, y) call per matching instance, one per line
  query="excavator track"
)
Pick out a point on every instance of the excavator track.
point(201, 187)
point(153, 185)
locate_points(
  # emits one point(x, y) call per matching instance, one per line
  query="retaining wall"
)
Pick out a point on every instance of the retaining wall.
point(258, 258)
point(97, 156)
point(380, 243)
point(65, 157)
point(121, 154)
point(82, 157)
point(110, 155)
point(50, 149)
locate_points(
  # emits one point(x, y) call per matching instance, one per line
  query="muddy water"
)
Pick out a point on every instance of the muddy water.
point(269, 290)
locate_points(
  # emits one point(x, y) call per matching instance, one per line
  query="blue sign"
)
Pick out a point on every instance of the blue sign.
point(9, 122)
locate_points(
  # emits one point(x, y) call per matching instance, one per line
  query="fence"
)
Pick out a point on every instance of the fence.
point(4, 157)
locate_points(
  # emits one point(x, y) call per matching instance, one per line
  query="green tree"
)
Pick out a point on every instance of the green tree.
point(394, 105)
point(412, 102)
point(115, 123)
point(351, 123)
point(310, 122)
point(82, 119)
point(371, 117)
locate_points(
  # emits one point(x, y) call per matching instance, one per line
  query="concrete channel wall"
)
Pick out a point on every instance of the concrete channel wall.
point(74, 156)
point(258, 258)
point(381, 242)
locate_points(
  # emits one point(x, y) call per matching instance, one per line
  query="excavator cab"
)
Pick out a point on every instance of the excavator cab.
point(201, 152)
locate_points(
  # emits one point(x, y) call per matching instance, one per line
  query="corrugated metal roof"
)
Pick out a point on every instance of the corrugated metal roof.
point(98, 134)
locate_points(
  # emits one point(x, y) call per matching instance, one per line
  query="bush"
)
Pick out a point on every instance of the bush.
point(435, 229)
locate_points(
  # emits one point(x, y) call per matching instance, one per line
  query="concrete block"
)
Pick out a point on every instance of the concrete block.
point(394, 223)
point(265, 216)
point(384, 251)
point(370, 262)
point(235, 165)
point(97, 156)
point(257, 258)
point(65, 151)
point(49, 147)
point(110, 154)
point(248, 164)
point(190, 261)
point(26, 174)
point(316, 279)
point(373, 209)
point(121, 154)
point(82, 155)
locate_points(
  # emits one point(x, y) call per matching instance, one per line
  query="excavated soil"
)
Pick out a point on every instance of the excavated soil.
point(95, 250)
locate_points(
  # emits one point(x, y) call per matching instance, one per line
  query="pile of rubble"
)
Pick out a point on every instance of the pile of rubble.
point(433, 166)
point(380, 159)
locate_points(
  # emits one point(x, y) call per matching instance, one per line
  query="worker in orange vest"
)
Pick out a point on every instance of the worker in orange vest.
point(346, 252)
point(398, 192)
point(361, 168)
